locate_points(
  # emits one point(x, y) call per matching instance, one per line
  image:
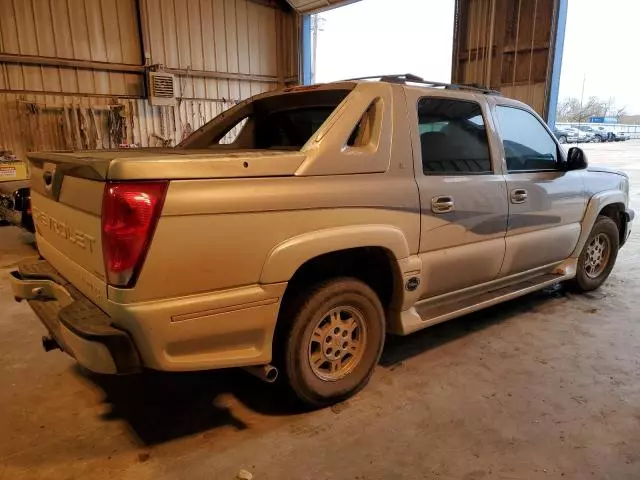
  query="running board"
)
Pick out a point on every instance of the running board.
point(428, 313)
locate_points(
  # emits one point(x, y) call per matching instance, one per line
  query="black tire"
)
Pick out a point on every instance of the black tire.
point(597, 139)
point(562, 139)
point(584, 281)
point(306, 314)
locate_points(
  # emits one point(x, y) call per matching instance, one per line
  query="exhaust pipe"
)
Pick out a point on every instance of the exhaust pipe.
point(50, 343)
point(266, 373)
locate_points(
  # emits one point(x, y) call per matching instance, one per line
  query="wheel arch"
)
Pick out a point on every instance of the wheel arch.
point(373, 254)
point(610, 203)
point(286, 258)
point(616, 212)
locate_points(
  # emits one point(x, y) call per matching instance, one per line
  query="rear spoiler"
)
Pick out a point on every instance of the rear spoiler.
point(74, 164)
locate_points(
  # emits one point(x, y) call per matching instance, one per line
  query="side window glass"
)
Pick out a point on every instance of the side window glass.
point(364, 131)
point(233, 133)
point(453, 137)
point(527, 144)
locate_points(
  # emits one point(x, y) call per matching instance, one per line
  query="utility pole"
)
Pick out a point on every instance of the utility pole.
point(584, 79)
point(317, 23)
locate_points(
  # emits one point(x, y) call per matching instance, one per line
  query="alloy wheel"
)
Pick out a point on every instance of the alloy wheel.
point(337, 343)
point(597, 258)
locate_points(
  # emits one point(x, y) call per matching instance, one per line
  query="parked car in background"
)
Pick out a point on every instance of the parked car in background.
point(581, 137)
point(608, 134)
point(597, 136)
point(15, 204)
point(584, 137)
point(622, 136)
point(565, 135)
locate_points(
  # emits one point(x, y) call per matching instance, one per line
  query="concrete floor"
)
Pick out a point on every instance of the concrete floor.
point(547, 386)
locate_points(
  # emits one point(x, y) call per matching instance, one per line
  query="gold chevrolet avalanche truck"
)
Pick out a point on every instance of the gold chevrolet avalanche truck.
point(292, 232)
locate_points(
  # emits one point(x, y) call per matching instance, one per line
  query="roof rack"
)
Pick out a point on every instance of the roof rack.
point(405, 78)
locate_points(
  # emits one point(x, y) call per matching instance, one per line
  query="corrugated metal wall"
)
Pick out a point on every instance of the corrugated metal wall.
point(104, 31)
point(72, 71)
point(506, 45)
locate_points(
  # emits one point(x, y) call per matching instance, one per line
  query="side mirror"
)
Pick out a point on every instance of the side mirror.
point(576, 159)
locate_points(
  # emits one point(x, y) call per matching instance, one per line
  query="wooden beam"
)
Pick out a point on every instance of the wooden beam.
point(68, 94)
point(225, 75)
point(459, 33)
point(124, 67)
point(500, 39)
point(70, 63)
point(506, 49)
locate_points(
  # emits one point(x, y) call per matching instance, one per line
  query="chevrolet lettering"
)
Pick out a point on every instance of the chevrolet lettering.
point(82, 240)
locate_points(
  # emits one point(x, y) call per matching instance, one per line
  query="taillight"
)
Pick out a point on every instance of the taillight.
point(130, 212)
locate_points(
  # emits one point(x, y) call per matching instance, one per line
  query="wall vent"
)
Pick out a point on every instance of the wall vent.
point(161, 88)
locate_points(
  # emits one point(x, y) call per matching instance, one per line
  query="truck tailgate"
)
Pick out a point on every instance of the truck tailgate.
point(66, 212)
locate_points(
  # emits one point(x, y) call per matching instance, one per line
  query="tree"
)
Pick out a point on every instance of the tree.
point(571, 110)
point(620, 112)
point(567, 108)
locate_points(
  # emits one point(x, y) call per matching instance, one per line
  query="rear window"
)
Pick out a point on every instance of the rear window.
point(289, 128)
point(280, 122)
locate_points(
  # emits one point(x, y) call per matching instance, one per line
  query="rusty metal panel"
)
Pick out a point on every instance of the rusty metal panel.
point(94, 30)
point(267, 26)
point(63, 79)
point(506, 45)
point(223, 37)
point(290, 31)
point(220, 19)
point(128, 28)
point(55, 122)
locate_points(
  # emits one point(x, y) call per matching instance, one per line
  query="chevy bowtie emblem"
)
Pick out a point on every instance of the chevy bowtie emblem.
point(412, 284)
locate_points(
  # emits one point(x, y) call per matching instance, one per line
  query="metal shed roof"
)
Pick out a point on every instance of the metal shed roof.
point(313, 6)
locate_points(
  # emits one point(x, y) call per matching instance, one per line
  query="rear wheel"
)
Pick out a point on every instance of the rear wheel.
point(598, 256)
point(562, 139)
point(597, 139)
point(334, 341)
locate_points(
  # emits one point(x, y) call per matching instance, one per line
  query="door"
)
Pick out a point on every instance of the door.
point(462, 195)
point(546, 203)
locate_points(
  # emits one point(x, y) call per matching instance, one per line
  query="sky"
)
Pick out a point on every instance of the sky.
point(601, 46)
point(369, 38)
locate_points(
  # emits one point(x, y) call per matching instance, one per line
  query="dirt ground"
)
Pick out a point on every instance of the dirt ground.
point(544, 387)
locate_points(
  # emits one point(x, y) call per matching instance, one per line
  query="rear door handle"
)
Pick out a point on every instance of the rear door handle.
point(442, 204)
point(518, 195)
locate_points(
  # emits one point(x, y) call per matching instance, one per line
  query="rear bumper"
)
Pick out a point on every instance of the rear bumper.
point(79, 327)
point(220, 329)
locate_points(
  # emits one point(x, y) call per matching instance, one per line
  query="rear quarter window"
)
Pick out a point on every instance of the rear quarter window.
point(453, 137)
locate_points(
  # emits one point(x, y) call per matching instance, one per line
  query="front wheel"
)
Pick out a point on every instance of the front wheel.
point(597, 139)
point(334, 341)
point(598, 256)
point(562, 139)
